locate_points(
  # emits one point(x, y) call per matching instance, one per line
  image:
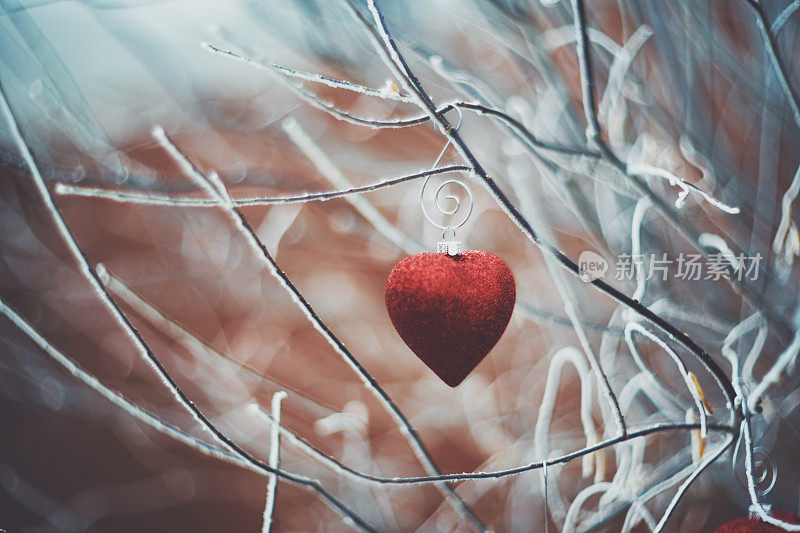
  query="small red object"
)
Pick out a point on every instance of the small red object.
point(451, 310)
point(754, 524)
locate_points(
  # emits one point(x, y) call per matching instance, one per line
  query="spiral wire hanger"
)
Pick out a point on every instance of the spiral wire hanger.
point(765, 474)
point(449, 246)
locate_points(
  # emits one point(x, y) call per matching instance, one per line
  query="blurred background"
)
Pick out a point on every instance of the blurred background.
point(684, 91)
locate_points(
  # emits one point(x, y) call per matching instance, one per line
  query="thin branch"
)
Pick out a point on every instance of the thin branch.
point(274, 462)
point(312, 98)
point(337, 84)
point(587, 80)
point(180, 201)
point(344, 469)
point(316, 101)
point(525, 132)
point(781, 19)
point(685, 186)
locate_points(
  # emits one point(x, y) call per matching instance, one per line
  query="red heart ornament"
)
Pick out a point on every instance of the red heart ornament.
point(451, 310)
point(754, 524)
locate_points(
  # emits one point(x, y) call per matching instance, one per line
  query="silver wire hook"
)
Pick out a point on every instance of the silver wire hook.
point(438, 195)
point(765, 472)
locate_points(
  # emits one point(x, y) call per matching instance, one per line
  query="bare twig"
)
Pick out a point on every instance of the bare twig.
point(181, 201)
point(349, 471)
point(274, 462)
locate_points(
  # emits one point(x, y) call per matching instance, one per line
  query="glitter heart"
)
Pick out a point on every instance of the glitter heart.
point(451, 310)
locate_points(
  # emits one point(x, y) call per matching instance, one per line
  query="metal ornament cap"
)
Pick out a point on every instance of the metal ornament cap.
point(450, 310)
point(448, 247)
